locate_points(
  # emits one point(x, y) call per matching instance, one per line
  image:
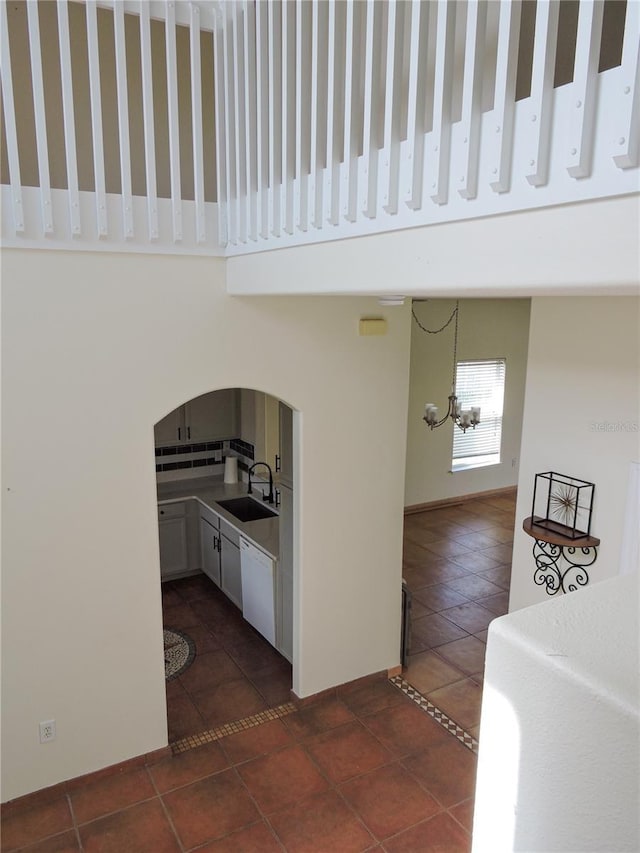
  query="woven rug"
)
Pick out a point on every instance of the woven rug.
point(179, 652)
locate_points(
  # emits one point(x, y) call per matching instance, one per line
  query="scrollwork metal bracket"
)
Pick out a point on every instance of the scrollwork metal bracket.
point(561, 566)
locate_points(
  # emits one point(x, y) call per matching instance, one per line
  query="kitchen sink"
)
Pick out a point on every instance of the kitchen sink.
point(246, 509)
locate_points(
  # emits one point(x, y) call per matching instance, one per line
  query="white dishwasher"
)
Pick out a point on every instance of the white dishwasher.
point(258, 599)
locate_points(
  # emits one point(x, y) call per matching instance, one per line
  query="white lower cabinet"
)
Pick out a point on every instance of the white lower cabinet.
point(172, 529)
point(230, 573)
point(210, 548)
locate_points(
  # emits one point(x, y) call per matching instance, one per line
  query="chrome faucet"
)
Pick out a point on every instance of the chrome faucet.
point(269, 497)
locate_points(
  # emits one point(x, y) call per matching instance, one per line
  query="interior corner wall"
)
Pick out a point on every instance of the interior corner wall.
point(96, 349)
point(488, 328)
point(581, 418)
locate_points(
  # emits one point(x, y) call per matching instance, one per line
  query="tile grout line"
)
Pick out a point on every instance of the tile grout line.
point(165, 810)
point(465, 738)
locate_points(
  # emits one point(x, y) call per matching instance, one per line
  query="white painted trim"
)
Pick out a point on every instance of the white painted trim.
point(91, 241)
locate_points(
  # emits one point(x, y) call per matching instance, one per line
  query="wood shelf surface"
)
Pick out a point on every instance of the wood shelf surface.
point(554, 538)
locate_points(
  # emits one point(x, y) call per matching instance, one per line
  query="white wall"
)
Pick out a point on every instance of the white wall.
point(487, 328)
point(581, 416)
point(558, 762)
point(588, 248)
point(97, 348)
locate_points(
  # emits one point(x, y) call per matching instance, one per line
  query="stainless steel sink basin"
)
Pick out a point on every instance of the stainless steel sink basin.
point(246, 509)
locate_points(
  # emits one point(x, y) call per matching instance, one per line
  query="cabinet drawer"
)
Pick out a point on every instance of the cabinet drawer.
point(172, 510)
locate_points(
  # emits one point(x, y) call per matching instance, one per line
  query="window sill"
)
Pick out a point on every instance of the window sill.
point(473, 463)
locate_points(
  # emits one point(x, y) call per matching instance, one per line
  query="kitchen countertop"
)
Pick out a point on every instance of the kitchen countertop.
point(264, 532)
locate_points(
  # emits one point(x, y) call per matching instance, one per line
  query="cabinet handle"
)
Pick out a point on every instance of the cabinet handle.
point(189, 433)
point(161, 512)
point(215, 543)
point(179, 434)
point(277, 462)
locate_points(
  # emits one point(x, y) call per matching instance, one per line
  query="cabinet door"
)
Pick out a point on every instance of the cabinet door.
point(212, 416)
point(171, 429)
point(209, 538)
point(286, 445)
point(173, 546)
point(230, 577)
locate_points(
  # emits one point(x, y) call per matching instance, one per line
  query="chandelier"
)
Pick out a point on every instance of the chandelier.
point(464, 418)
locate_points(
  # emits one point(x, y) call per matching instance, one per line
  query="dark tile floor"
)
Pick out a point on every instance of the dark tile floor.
point(236, 672)
point(362, 768)
point(457, 565)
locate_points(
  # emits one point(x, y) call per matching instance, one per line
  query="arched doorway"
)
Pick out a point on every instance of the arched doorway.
point(229, 649)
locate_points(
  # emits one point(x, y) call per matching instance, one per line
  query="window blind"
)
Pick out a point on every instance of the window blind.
point(480, 383)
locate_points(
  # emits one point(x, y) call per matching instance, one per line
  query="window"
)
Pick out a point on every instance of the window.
point(479, 383)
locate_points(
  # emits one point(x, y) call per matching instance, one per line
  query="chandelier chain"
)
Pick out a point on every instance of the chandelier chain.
point(455, 350)
point(454, 313)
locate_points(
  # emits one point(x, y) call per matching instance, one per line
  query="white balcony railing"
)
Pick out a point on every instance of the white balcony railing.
point(221, 128)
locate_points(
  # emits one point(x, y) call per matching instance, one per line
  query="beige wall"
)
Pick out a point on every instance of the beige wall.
point(97, 348)
point(581, 415)
point(488, 328)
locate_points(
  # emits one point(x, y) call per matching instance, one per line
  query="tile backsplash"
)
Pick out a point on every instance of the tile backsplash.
point(210, 455)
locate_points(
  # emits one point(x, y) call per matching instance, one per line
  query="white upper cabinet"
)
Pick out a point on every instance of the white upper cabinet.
point(171, 429)
point(210, 417)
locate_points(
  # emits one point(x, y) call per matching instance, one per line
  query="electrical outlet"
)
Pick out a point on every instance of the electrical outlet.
point(47, 731)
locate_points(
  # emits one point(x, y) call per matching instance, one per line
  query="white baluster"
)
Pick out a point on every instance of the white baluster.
point(222, 153)
point(148, 122)
point(250, 144)
point(438, 154)
point(68, 117)
point(472, 98)
point(40, 117)
point(626, 133)
point(349, 166)
point(174, 120)
point(123, 121)
point(11, 134)
point(196, 121)
point(97, 136)
point(584, 89)
point(500, 131)
point(539, 115)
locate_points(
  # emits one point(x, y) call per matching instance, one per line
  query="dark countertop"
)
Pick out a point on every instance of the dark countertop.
point(209, 490)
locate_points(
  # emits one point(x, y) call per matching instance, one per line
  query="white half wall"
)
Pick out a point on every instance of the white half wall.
point(97, 348)
point(581, 418)
point(587, 248)
point(558, 767)
point(487, 328)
